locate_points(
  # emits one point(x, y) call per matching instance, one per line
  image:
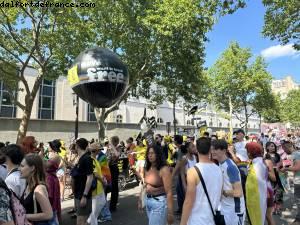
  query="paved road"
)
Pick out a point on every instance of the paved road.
point(127, 213)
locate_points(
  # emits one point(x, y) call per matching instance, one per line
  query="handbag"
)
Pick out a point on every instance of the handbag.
point(218, 217)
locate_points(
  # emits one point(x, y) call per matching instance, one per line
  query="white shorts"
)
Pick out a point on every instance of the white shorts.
point(140, 163)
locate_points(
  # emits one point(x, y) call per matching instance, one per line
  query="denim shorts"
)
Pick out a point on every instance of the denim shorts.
point(156, 209)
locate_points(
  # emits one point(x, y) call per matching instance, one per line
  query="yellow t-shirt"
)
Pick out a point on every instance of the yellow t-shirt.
point(171, 149)
point(97, 170)
point(140, 152)
point(62, 153)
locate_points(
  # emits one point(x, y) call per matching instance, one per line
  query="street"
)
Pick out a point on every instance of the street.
point(127, 213)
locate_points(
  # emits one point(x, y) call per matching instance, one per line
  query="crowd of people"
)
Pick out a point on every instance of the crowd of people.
point(235, 180)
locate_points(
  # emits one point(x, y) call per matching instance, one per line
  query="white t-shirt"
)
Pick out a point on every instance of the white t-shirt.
point(231, 175)
point(241, 151)
point(16, 183)
point(201, 213)
point(3, 172)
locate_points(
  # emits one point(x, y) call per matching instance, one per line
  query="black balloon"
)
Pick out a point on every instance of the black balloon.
point(99, 77)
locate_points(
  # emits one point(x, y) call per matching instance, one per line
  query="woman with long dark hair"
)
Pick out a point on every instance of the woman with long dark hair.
point(272, 155)
point(35, 198)
point(158, 185)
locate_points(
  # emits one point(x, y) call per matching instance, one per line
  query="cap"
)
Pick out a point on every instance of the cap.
point(95, 146)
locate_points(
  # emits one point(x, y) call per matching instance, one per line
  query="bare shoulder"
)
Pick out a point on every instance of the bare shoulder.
point(165, 171)
point(192, 175)
point(41, 188)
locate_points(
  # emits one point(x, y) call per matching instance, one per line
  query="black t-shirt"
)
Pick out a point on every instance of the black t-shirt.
point(82, 169)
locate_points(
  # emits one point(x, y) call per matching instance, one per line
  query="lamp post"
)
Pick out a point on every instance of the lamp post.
point(76, 103)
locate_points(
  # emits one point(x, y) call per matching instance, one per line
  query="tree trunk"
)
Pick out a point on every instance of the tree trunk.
point(101, 115)
point(230, 120)
point(23, 127)
point(174, 116)
point(260, 123)
point(29, 99)
point(246, 119)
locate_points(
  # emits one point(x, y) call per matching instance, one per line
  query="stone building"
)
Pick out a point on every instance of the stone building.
point(53, 114)
point(283, 86)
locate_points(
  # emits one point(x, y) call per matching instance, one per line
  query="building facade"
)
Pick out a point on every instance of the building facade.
point(56, 101)
point(283, 86)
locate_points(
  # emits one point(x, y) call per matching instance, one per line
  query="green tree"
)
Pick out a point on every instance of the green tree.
point(162, 43)
point(291, 107)
point(44, 38)
point(238, 83)
point(50, 38)
point(282, 21)
point(269, 107)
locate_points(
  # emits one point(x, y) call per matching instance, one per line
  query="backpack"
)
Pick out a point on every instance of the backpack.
point(17, 209)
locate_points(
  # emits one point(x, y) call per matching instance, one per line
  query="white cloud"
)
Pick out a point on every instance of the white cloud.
point(280, 51)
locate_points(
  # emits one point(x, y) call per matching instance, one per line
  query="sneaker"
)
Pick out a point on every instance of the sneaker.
point(104, 220)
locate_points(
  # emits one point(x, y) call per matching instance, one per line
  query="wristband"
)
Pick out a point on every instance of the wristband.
point(85, 195)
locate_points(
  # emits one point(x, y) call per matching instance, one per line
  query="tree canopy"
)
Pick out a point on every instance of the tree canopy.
point(236, 79)
point(291, 107)
point(282, 21)
point(150, 37)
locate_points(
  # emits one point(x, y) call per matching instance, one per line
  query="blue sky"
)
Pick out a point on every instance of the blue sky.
point(245, 27)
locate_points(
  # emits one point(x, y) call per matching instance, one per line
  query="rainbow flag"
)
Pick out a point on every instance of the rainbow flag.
point(102, 159)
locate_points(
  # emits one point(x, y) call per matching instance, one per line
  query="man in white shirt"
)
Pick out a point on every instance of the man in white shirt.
point(14, 157)
point(232, 203)
point(240, 146)
point(196, 208)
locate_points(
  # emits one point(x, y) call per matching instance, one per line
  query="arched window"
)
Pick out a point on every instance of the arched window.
point(249, 125)
point(228, 124)
point(160, 120)
point(176, 121)
point(188, 122)
point(220, 124)
point(210, 124)
point(119, 119)
point(236, 125)
point(254, 126)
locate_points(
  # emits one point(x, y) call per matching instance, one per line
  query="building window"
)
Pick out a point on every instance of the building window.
point(220, 124)
point(236, 125)
point(160, 120)
point(176, 121)
point(119, 119)
point(228, 124)
point(188, 122)
point(7, 108)
point(254, 126)
point(210, 124)
point(91, 114)
point(47, 100)
point(249, 125)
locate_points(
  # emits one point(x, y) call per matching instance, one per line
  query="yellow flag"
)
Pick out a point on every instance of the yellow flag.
point(73, 76)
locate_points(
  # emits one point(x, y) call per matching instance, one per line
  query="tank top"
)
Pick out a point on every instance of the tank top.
point(29, 204)
point(201, 213)
point(154, 183)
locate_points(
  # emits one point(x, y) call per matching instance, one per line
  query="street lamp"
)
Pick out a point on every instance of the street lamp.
point(76, 103)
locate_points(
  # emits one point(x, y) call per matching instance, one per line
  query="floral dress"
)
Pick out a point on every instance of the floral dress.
point(5, 212)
